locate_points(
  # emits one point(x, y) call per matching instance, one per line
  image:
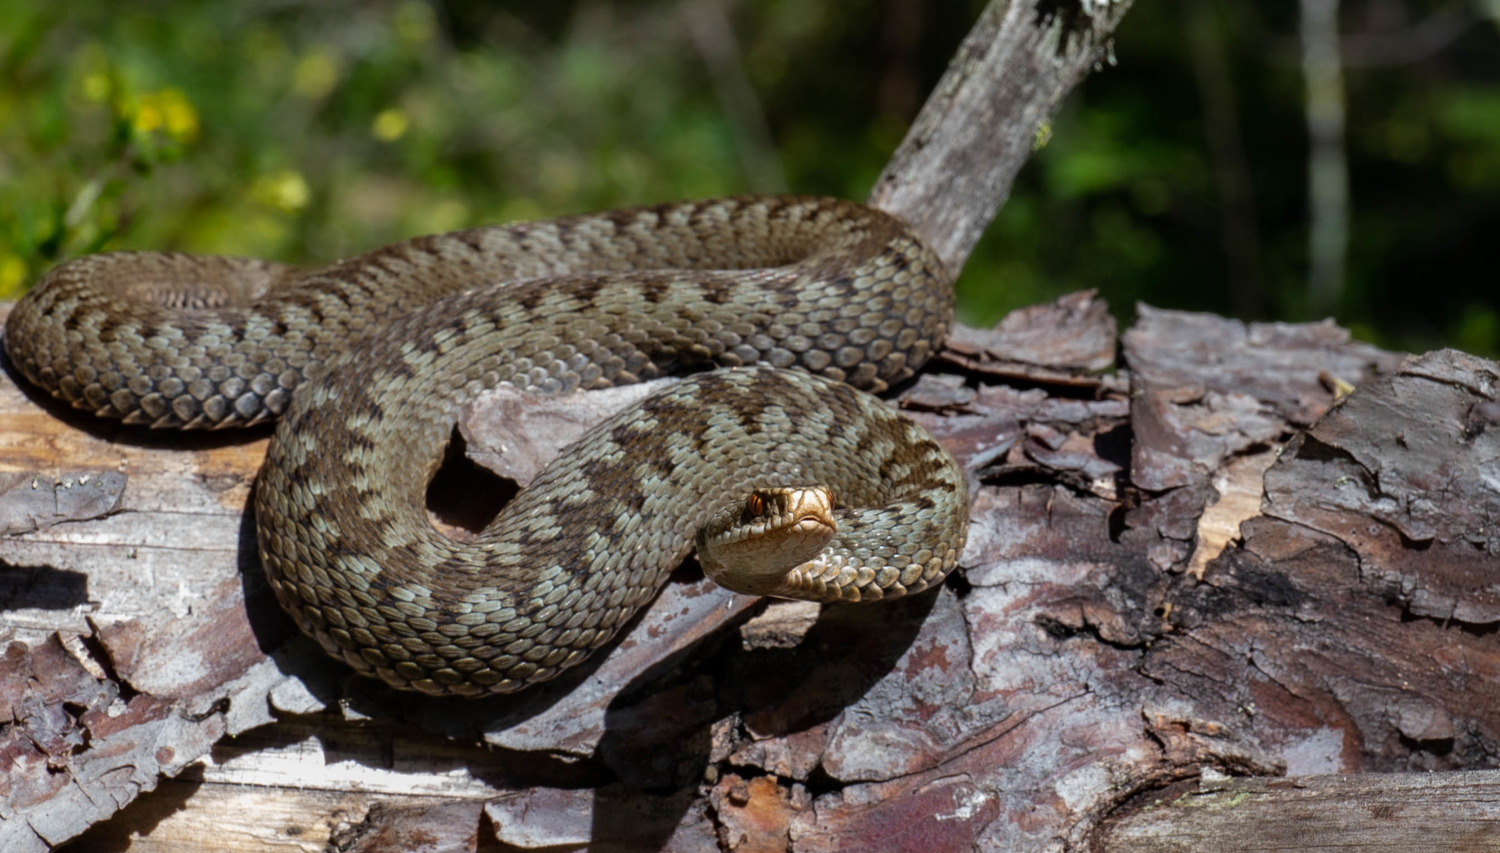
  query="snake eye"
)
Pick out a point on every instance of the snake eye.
point(756, 505)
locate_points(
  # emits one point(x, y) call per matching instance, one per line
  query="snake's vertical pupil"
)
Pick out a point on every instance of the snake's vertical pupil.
point(757, 505)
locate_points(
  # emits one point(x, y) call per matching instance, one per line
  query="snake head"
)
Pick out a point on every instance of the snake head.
point(750, 545)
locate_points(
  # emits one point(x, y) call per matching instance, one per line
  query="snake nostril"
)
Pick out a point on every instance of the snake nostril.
point(462, 497)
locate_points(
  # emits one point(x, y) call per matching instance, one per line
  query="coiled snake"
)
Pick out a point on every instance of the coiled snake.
point(791, 482)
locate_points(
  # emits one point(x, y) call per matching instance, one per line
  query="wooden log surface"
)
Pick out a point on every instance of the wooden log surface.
point(1075, 667)
point(1193, 553)
point(1373, 813)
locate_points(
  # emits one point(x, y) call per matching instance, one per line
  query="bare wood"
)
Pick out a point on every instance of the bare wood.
point(1392, 813)
point(1380, 812)
point(312, 784)
point(956, 165)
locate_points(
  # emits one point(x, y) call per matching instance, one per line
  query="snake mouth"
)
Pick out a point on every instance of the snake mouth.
point(751, 546)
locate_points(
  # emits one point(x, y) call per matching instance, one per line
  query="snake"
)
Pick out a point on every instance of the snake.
point(770, 458)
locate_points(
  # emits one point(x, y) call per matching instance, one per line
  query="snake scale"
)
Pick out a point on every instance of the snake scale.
point(759, 465)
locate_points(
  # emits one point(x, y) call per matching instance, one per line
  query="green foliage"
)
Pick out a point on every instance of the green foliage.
point(321, 132)
point(307, 132)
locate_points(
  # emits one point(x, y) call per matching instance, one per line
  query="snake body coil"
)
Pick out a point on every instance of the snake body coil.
point(385, 348)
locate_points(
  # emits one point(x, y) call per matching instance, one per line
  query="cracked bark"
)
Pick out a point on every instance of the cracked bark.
point(1337, 617)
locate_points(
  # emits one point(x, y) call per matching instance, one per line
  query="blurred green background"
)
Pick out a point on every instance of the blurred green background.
point(1176, 174)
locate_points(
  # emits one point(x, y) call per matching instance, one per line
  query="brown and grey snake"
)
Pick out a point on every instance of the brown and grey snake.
point(790, 482)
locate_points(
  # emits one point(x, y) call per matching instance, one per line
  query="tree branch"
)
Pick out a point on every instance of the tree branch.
point(957, 163)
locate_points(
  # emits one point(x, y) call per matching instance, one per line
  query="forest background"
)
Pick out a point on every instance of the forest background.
point(1218, 160)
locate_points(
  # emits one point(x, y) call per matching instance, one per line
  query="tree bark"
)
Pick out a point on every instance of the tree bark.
point(1203, 552)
